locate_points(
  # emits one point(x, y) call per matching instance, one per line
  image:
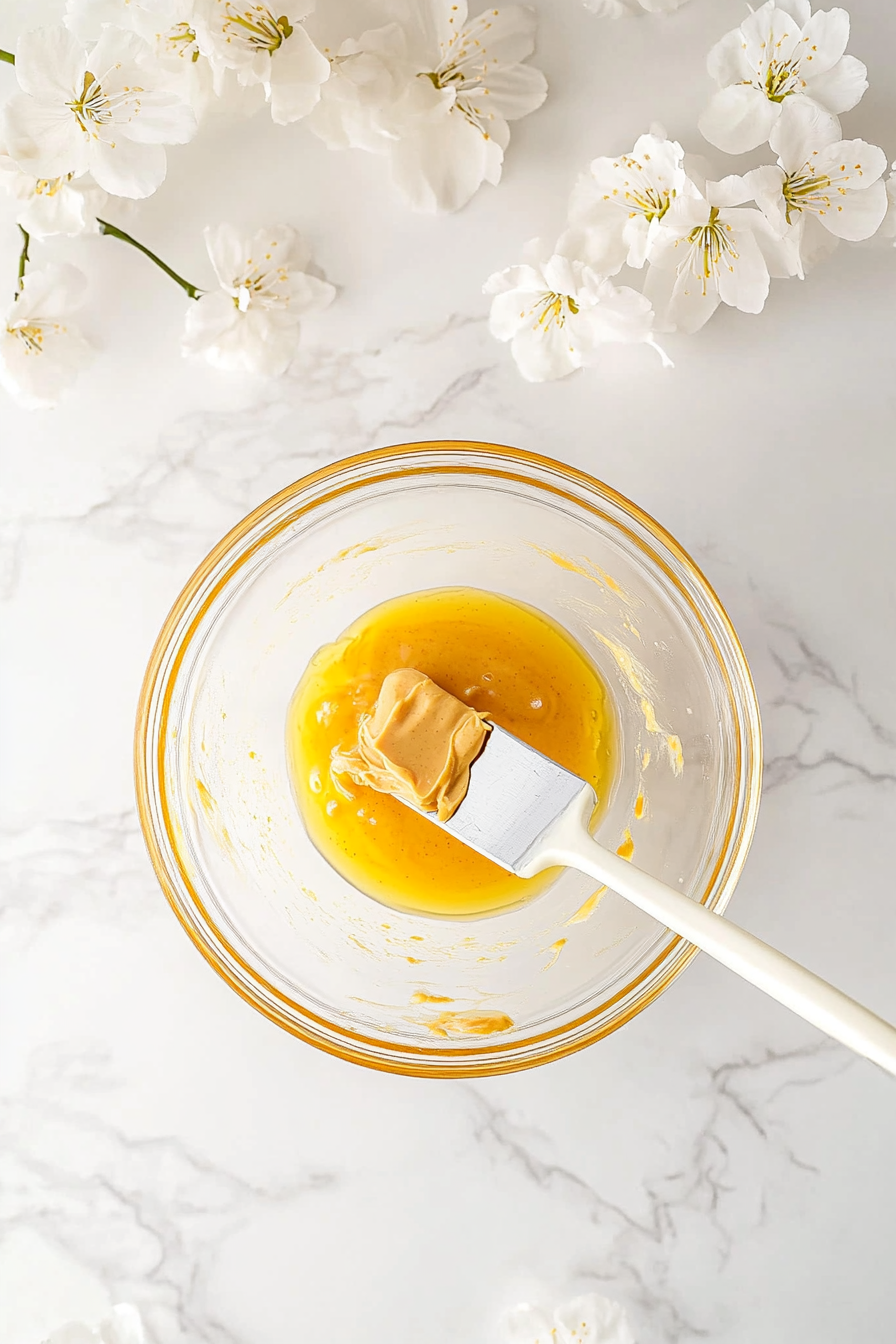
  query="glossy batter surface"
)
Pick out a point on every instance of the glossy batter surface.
point(496, 655)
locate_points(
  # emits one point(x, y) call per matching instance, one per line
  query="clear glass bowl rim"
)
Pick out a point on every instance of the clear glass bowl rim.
point(171, 648)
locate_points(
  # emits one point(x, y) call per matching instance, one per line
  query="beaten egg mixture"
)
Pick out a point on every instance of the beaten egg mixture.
point(497, 655)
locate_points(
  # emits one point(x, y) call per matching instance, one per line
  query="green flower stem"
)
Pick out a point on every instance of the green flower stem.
point(113, 232)
point(23, 260)
point(7, 56)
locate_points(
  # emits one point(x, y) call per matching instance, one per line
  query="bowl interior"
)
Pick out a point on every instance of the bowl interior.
point(416, 993)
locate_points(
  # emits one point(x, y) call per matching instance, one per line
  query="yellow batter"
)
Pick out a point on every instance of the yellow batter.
point(497, 655)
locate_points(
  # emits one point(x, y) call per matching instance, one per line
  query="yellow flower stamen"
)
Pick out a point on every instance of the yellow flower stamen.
point(712, 247)
point(781, 79)
point(32, 335)
point(256, 26)
point(182, 40)
point(92, 106)
point(550, 308)
point(806, 190)
point(642, 198)
point(51, 186)
point(464, 67)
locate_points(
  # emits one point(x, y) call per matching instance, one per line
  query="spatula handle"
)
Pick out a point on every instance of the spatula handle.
point(791, 984)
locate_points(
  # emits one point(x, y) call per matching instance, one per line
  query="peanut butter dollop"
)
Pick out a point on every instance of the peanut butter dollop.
point(418, 744)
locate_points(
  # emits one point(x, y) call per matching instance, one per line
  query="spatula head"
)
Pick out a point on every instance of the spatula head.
point(515, 797)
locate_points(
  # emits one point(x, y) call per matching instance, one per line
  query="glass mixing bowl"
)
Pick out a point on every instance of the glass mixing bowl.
point(410, 993)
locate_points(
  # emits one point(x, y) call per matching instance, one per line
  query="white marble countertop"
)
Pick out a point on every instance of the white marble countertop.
point(715, 1165)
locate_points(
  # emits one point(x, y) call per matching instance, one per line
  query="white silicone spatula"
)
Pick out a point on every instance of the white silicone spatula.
point(527, 813)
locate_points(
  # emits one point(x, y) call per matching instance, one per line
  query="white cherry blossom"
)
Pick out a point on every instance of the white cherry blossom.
point(102, 111)
point(169, 26)
point(266, 45)
point(820, 185)
point(361, 103)
point(589, 1319)
point(52, 205)
point(440, 96)
point(780, 56)
point(557, 314)
point(251, 324)
point(617, 206)
point(705, 253)
point(41, 351)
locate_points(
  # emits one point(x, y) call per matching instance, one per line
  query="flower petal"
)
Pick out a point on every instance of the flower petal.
point(128, 169)
point(727, 62)
point(526, 278)
point(797, 9)
point(513, 92)
point(209, 320)
point(858, 214)
point(442, 164)
point(61, 207)
point(604, 242)
point(621, 316)
point(767, 186)
point(744, 283)
point(508, 36)
point(592, 1319)
point(816, 243)
point(842, 87)
point(227, 252)
point(297, 71)
point(50, 63)
point(853, 164)
point(44, 138)
point(46, 216)
point(738, 119)
point(508, 313)
point(52, 292)
point(543, 353)
point(86, 18)
point(823, 42)
point(731, 190)
point(680, 301)
point(769, 29)
point(781, 252)
point(664, 156)
point(803, 127)
point(308, 294)
point(281, 246)
point(119, 57)
point(561, 274)
point(163, 119)
point(260, 342)
point(685, 213)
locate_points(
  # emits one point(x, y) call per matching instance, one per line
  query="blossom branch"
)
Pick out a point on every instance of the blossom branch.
point(23, 259)
point(7, 56)
point(113, 232)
